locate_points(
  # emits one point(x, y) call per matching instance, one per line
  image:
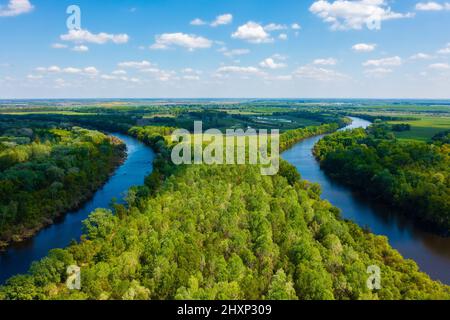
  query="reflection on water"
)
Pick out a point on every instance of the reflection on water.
point(18, 258)
point(431, 252)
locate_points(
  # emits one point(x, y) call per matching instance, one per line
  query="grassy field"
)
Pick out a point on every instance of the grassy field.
point(424, 128)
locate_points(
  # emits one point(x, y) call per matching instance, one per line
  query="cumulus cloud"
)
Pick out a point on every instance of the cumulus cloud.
point(83, 36)
point(88, 71)
point(385, 62)
point(270, 63)
point(15, 8)
point(235, 52)
point(440, 66)
point(198, 22)
point(377, 72)
point(445, 50)
point(296, 26)
point(432, 6)
point(226, 70)
point(325, 62)
point(223, 19)
point(34, 77)
point(135, 64)
point(318, 74)
point(80, 48)
point(364, 47)
point(119, 72)
point(59, 46)
point(421, 56)
point(253, 33)
point(275, 27)
point(355, 14)
point(283, 36)
point(188, 41)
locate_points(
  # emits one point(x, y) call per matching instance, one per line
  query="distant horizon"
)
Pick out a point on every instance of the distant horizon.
point(229, 98)
point(355, 49)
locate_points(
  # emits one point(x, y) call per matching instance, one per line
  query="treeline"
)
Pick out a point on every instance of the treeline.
point(291, 137)
point(210, 232)
point(411, 176)
point(45, 172)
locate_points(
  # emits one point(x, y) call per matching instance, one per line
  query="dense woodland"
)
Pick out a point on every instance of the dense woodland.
point(209, 232)
point(46, 170)
point(412, 176)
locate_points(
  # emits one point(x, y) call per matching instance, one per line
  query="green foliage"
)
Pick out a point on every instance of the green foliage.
point(412, 176)
point(211, 233)
point(51, 173)
point(224, 232)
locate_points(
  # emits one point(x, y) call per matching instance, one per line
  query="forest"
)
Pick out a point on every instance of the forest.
point(47, 170)
point(208, 233)
point(413, 176)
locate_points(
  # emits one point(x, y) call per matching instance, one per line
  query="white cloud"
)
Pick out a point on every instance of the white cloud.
point(34, 77)
point(356, 14)
point(364, 47)
point(223, 19)
point(253, 33)
point(325, 62)
point(318, 74)
point(191, 77)
point(279, 56)
point(191, 42)
point(119, 72)
point(445, 50)
point(191, 71)
point(15, 8)
point(296, 26)
point(81, 48)
point(59, 46)
point(275, 27)
point(135, 64)
point(270, 63)
point(236, 52)
point(378, 72)
point(287, 77)
point(421, 56)
point(108, 77)
point(239, 70)
point(88, 71)
point(385, 62)
point(91, 70)
point(283, 36)
point(432, 6)
point(198, 22)
point(82, 36)
point(440, 66)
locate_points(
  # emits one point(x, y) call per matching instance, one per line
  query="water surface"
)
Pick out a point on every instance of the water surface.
point(139, 163)
point(431, 252)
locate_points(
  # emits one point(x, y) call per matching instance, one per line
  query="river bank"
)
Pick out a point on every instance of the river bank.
point(137, 164)
point(26, 232)
point(431, 252)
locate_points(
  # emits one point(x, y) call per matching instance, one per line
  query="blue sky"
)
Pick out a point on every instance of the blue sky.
point(225, 48)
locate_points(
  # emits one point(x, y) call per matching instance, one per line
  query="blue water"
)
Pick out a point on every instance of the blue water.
point(431, 252)
point(18, 258)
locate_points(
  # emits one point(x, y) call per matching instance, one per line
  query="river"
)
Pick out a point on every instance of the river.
point(430, 251)
point(139, 163)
